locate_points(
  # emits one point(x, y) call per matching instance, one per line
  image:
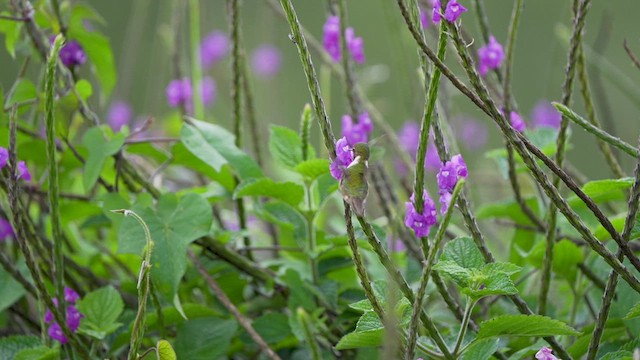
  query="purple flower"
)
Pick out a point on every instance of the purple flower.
point(450, 172)
point(473, 133)
point(453, 11)
point(424, 18)
point(4, 157)
point(71, 54)
point(119, 115)
point(213, 48)
point(331, 37)
point(208, 91)
point(544, 114)
point(55, 332)
point(331, 41)
point(344, 157)
point(6, 230)
point(490, 56)
point(545, 354)
point(517, 122)
point(409, 137)
point(421, 223)
point(445, 201)
point(355, 45)
point(395, 245)
point(23, 171)
point(435, 15)
point(73, 318)
point(70, 295)
point(355, 133)
point(179, 92)
point(266, 60)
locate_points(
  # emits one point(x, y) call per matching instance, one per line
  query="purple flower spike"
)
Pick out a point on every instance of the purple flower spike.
point(436, 15)
point(331, 37)
point(544, 114)
point(72, 54)
point(55, 332)
point(517, 122)
point(73, 318)
point(453, 11)
point(344, 157)
point(6, 230)
point(445, 201)
point(23, 171)
point(70, 295)
point(208, 91)
point(355, 46)
point(490, 56)
point(177, 91)
point(421, 223)
point(355, 133)
point(424, 18)
point(4, 157)
point(473, 133)
point(450, 172)
point(409, 136)
point(214, 47)
point(119, 115)
point(266, 60)
point(545, 354)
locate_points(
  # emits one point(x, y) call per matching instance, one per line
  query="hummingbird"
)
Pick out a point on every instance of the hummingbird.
point(353, 184)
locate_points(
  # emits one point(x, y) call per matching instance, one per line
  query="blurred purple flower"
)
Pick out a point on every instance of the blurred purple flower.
point(4, 157)
point(331, 41)
point(473, 133)
point(355, 44)
point(409, 137)
point(72, 53)
point(55, 332)
point(421, 223)
point(490, 56)
point(344, 157)
point(517, 122)
point(23, 171)
point(179, 92)
point(119, 115)
point(445, 200)
point(73, 317)
point(70, 295)
point(266, 60)
point(424, 18)
point(545, 354)
point(544, 114)
point(453, 11)
point(395, 245)
point(436, 15)
point(6, 230)
point(213, 48)
point(355, 133)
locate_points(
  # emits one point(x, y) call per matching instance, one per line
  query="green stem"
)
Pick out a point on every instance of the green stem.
point(465, 322)
point(196, 65)
point(303, 318)
point(311, 214)
point(349, 77)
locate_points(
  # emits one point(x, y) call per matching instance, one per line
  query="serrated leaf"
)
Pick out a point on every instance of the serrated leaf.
point(216, 146)
point(501, 267)
point(524, 325)
point(312, 169)
point(173, 225)
point(618, 355)
point(100, 148)
point(101, 309)
point(289, 192)
point(286, 147)
point(634, 312)
point(164, 351)
point(457, 273)
point(497, 283)
point(285, 215)
point(204, 338)
point(480, 350)
point(464, 252)
point(39, 353)
point(355, 340)
point(12, 345)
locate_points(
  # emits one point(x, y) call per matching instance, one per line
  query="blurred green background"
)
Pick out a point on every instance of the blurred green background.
point(140, 32)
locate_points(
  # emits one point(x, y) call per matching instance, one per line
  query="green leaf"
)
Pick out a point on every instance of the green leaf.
point(313, 168)
point(464, 252)
point(289, 192)
point(481, 350)
point(457, 273)
point(12, 345)
point(618, 355)
point(173, 226)
point(273, 327)
point(24, 91)
point(100, 149)
point(286, 147)
point(285, 215)
point(164, 351)
point(355, 340)
point(204, 339)
point(496, 283)
point(39, 353)
point(603, 190)
point(84, 89)
point(524, 325)
point(11, 30)
point(566, 257)
point(10, 290)
point(216, 146)
point(101, 309)
point(634, 312)
point(507, 210)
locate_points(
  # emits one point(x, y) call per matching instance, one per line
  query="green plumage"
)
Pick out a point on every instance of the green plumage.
point(353, 185)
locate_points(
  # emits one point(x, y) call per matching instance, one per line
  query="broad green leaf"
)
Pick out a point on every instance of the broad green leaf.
point(273, 327)
point(39, 353)
point(11, 30)
point(286, 147)
point(101, 309)
point(84, 89)
point(501, 267)
point(618, 355)
point(215, 146)
point(313, 168)
point(355, 340)
point(97, 47)
point(164, 351)
point(99, 149)
point(173, 225)
point(566, 257)
point(286, 215)
point(24, 91)
point(204, 339)
point(614, 329)
point(12, 345)
point(507, 210)
point(524, 325)
point(603, 190)
point(457, 273)
point(634, 312)
point(464, 252)
point(289, 192)
point(10, 290)
point(183, 156)
point(481, 350)
point(497, 283)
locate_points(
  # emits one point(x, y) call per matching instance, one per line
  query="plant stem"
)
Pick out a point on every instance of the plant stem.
point(303, 318)
point(196, 65)
point(465, 322)
point(347, 66)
